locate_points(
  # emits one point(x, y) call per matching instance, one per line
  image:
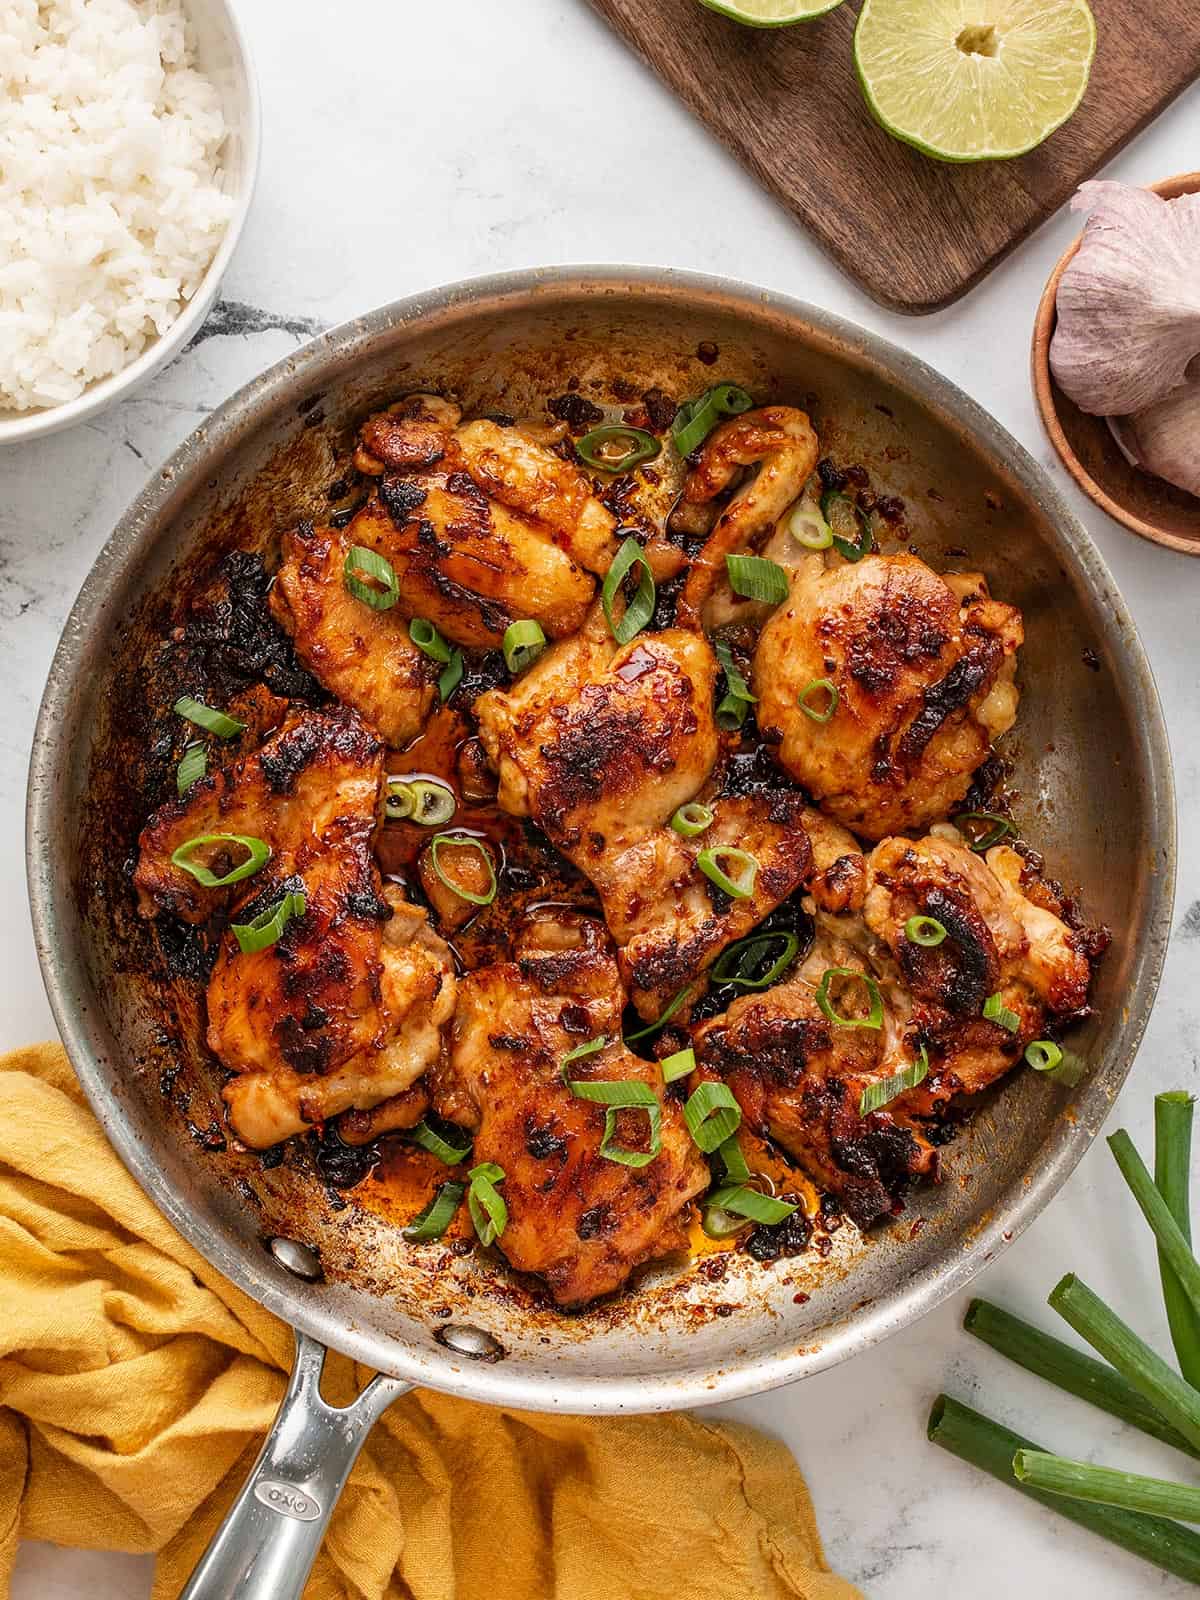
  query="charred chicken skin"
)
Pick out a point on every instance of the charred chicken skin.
point(577, 1219)
point(923, 669)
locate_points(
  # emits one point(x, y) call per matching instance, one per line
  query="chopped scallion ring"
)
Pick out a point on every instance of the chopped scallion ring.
point(485, 1203)
point(205, 717)
point(258, 854)
point(824, 687)
point(614, 447)
point(734, 1162)
point(756, 578)
point(192, 767)
point(692, 819)
point(809, 528)
point(839, 511)
point(621, 1095)
point(428, 640)
point(432, 1222)
point(712, 1115)
point(925, 931)
point(742, 1201)
point(371, 578)
point(433, 802)
point(994, 1010)
point(995, 828)
point(429, 1139)
point(451, 677)
point(696, 419)
point(739, 888)
point(590, 1048)
point(731, 710)
point(877, 1095)
point(400, 800)
point(737, 964)
point(679, 1065)
point(446, 841)
point(664, 1017)
point(874, 1018)
point(262, 931)
point(523, 644)
point(1043, 1055)
point(640, 609)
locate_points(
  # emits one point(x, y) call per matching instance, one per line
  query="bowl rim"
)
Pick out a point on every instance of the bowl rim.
point(1044, 387)
point(19, 427)
point(295, 378)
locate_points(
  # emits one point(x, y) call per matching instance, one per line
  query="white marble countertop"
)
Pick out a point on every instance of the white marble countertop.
point(422, 144)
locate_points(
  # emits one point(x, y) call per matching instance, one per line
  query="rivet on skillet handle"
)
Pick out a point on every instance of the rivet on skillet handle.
point(265, 1548)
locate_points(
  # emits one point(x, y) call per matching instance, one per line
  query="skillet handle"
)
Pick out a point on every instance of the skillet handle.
point(265, 1548)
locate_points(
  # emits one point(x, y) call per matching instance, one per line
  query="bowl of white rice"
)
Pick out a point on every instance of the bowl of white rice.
point(129, 133)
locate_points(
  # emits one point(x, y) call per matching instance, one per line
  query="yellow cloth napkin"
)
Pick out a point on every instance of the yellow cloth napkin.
point(136, 1385)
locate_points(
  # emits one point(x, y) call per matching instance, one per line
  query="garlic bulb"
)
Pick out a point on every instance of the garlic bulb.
point(1129, 302)
point(1167, 437)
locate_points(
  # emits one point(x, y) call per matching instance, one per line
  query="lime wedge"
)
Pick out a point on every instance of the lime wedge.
point(974, 80)
point(771, 13)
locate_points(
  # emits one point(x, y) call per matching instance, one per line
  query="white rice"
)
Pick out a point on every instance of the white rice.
point(111, 205)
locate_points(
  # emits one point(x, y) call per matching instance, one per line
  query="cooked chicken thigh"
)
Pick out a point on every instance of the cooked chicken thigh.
point(780, 441)
point(923, 667)
point(601, 744)
point(363, 656)
point(315, 780)
point(578, 1219)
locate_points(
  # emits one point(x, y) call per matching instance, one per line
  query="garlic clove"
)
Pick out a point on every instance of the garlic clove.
point(1129, 302)
point(1167, 437)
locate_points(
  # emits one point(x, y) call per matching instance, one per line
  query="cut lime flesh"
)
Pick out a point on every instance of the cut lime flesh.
point(974, 80)
point(771, 13)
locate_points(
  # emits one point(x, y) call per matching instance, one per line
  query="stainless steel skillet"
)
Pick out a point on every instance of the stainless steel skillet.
point(1091, 763)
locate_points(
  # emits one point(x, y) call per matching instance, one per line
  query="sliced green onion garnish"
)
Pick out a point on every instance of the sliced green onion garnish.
point(925, 931)
point(734, 1162)
point(1043, 1055)
point(613, 447)
point(809, 528)
point(756, 578)
point(433, 802)
point(692, 819)
point(590, 1048)
point(873, 1020)
point(640, 609)
point(432, 1222)
point(523, 644)
point(731, 710)
point(663, 1018)
point(428, 640)
point(679, 1065)
point(742, 1201)
point(710, 863)
point(712, 1115)
point(371, 578)
point(428, 1139)
point(192, 767)
point(827, 699)
point(994, 1010)
point(737, 964)
point(399, 802)
point(886, 1090)
point(442, 841)
point(994, 826)
point(840, 511)
point(264, 929)
point(205, 717)
point(258, 853)
point(451, 676)
point(621, 1095)
point(696, 419)
point(484, 1202)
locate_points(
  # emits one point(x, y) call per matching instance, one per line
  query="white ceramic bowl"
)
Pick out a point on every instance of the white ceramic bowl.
point(222, 55)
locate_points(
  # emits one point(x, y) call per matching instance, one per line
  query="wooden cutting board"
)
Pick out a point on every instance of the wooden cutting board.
point(915, 233)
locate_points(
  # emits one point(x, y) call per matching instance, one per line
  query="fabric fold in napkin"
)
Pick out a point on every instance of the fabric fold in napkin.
point(136, 1385)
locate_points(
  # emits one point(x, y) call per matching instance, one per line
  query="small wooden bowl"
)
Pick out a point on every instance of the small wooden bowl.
point(1152, 508)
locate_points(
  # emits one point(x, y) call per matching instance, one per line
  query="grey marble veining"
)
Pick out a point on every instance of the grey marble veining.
point(422, 144)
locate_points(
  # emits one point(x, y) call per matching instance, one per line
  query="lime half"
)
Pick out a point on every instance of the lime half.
point(771, 13)
point(974, 80)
